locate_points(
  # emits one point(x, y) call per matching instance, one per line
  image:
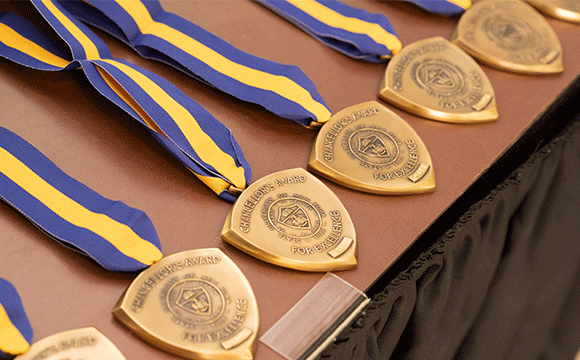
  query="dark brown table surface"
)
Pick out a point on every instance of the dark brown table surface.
point(92, 141)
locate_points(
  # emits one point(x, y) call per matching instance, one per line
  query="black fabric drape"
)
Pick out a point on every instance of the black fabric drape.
point(503, 283)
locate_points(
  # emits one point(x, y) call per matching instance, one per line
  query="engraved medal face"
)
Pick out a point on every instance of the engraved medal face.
point(291, 219)
point(370, 148)
point(87, 344)
point(195, 304)
point(509, 35)
point(568, 10)
point(435, 79)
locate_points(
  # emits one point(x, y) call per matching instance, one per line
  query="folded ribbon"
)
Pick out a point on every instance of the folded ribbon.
point(351, 31)
point(190, 133)
point(160, 35)
point(15, 330)
point(118, 237)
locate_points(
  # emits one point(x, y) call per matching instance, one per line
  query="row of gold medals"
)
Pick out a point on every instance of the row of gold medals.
point(178, 304)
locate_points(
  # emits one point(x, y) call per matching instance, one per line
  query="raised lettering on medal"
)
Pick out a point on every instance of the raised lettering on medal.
point(509, 35)
point(435, 79)
point(378, 153)
point(195, 304)
point(296, 222)
point(85, 343)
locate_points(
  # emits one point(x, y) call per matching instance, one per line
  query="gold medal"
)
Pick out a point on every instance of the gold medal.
point(195, 304)
point(291, 219)
point(509, 35)
point(370, 148)
point(87, 344)
point(435, 79)
point(568, 10)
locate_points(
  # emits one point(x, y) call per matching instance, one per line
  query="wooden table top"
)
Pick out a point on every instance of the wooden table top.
point(89, 139)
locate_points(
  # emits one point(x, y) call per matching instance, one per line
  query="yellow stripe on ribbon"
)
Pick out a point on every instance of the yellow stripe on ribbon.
point(203, 144)
point(16, 41)
point(11, 340)
point(119, 235)
point(280, 85)
point(91, 51)
point(353, 25)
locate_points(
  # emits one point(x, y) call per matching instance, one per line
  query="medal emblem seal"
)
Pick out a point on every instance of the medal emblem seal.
point(291, 219)
point(195, 304)
point(86, 343)
point(437, 80)
point(509, 35)
point(369, 148)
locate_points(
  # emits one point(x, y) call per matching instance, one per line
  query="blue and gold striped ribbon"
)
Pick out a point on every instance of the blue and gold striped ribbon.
point(157, 34)
point(190, 133)
point(118, 237)
point(443, 7)
point(15, 330)
point(354, 32)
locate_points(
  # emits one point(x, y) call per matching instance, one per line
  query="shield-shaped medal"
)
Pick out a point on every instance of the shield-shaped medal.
point(196, 304)
point(435, 79)
point(291, 219)
point(370, 148)
point(509, 35)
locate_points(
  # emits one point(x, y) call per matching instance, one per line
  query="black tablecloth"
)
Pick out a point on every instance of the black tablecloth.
point(504, 281)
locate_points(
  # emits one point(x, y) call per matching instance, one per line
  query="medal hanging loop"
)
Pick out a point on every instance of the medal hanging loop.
point(443, 7)
point(156, 34)
point(15, 329)
point(191, 134)
point(354, 32)
point(116, 236)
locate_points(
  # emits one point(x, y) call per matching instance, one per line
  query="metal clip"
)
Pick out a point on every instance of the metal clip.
point(236, 191)
point(315, 125)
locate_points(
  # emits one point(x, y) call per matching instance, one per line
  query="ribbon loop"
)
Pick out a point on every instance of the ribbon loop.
point(190, 133)
point(118, 237)
point(351, 31)
point(15, 329)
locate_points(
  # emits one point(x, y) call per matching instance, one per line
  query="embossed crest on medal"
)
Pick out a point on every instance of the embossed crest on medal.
point(196, 304)
point(86, 343)
point(509, 35)
point(291, 219)
point(369, 148)
point(568, 10)
point(435, 79)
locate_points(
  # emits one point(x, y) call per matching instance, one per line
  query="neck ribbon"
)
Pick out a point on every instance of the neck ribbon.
point(443, 7)
point(160, 35)
point(15, 330)
point(354, 32)
point(190, 133)
point(116, 236)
